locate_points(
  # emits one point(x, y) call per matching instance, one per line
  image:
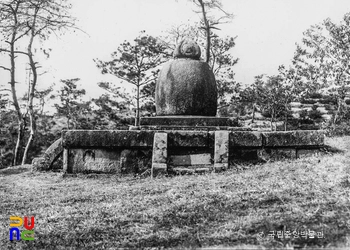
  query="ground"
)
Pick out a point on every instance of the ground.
point(246, 207)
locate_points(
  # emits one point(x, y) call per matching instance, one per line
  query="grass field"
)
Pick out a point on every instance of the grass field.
point(239, 208)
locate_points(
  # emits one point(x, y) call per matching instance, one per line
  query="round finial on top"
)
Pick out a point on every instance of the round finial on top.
point(187, 48)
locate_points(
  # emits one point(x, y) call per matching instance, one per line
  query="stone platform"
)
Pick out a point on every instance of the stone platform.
point(179, 127)
point(134, 151)
point(194, 121)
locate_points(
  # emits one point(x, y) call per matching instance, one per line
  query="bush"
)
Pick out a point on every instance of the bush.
point(308, 101)
point(347, 101)
point(303, 114)
point(315, 95)
point(301, 124)
point(341, 129)
point(328, 107)
point(315, 114)
point(329, 99)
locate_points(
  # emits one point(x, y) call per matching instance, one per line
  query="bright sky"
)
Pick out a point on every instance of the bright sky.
point(267, 31)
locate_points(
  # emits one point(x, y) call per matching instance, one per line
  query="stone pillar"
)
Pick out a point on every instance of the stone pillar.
point(160, 153)
point(221, 150)
point(67, 164)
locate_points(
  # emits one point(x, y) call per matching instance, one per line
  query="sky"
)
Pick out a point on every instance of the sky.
point(266, 30)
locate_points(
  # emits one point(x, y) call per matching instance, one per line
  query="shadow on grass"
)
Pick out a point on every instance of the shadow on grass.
point(332, 150)
point(15, 170)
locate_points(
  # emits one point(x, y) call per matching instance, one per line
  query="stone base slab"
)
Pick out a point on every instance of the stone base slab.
point(189, 121)
point(179, 127)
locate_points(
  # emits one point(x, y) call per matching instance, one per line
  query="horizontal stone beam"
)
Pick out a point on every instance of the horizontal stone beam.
point(189, 121)
point(246, 139)
point(294, 138)
point(106, 138)
point(132, 138)
point(188, 138)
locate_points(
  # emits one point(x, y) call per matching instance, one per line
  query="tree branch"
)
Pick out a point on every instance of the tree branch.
point(4, 68)
point(15, 52)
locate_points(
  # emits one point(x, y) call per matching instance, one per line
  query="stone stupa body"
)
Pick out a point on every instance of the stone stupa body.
point(186, 85)
point(186, 92)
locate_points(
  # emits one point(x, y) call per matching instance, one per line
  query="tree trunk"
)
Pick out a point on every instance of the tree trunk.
point(31, 91)
point(273, 120)
point(137, 117)
point(20, 120)
point(336, 116)
point(18, 142)
point(285, 123)
point(253, 116)
point(30, 139)
point(207, 31)
point(285, 117)
point(271, 123)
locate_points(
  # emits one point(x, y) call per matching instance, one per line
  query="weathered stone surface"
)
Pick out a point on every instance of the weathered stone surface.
point(107, 138)
point(160, 153)
point(190, 159)
point(96, 160)
point(51, 154)
point(183, 170)
point(125, 151)
point(67, 164)
point(221, 150)
point(186, 87)
point(160, 145)
point(192, 170)
point(245, 139)
point(106, 160)
point(237, 128)
point(187, 48)
point(192, 121)
point(39, 163)
point(294, 138)
point(203, 170)
point(135, 161)
point(188, 139)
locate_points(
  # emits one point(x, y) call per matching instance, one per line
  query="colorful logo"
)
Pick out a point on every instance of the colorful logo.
point(16, 222)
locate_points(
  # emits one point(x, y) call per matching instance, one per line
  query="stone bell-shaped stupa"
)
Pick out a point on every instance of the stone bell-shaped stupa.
point(186, 85)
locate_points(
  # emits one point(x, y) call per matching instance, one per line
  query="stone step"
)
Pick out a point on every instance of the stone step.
point(188, 170)
point(190, 121)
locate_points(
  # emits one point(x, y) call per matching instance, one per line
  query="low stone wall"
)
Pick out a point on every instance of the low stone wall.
point(135, 151)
